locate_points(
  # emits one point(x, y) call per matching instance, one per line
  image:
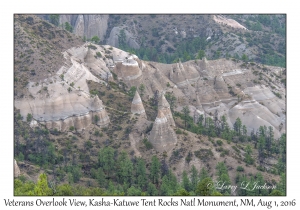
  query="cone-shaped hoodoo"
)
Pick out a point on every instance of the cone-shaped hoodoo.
point(162, 136)
point(164, 106)
point(137, 105)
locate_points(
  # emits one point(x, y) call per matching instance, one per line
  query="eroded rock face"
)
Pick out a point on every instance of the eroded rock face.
point(137, 105)
point(162, 136)
point(87, 25)
point(63, 100)
point(164, 107)
point(113, 39)
point(17, 171)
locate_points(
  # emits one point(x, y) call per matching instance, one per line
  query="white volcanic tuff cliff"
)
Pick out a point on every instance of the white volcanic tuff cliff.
point(254, 115)
point(87, 25)
point(202, 84)
point(113, 39)
point(63, 100)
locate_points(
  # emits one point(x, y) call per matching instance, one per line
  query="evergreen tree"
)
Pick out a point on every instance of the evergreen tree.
point(194, 177)
point(203, 174)
point(186, 113)
point(54, 19)
point(237, 126)
point(125, 168)
point(151, 189)
point(141, 173)
point(261, 147)
point(106, 159)
point(186, 184)
point(42, 188)
point(205, 187)
point(155, 170)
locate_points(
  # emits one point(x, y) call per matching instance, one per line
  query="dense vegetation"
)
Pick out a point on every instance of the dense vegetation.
point(269, 53)
point(122, 176)
point(114, 172)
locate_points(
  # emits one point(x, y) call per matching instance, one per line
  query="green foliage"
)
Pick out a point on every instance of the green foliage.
point(186, 184)
point(219, 142)
point(201, 54)
point(204, 154)
point(151, 190)
point(244, 57)
point(133, 191)
point(194, 178)
point(131, 92)
point(42, 188)
point(186, 112)
point(276, 193)
point(155, 170)
point(106, 159)
point(203, 174)
point(122, 40)
point(54, 19)
point(205, 187)
point(92, 47)
point(29, 117)
point(169, 185)
point(96, 119)
point(68, 27)
point(147, 144)
point(98, 54)
point(141, 173)
point(142, 89)
point(96, 40)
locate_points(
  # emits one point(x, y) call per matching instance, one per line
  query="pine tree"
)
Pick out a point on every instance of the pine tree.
point(42, 187)
point(125, 168)
point(141, 173)
point(194, 177)
point(106, 159)
point(151, 189)
point(203, 174)
point(205, 187)
point(155, 170)
point(186, 184)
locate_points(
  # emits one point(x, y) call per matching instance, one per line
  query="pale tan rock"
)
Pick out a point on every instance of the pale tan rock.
point(137, 105)
point(17, 171)
point(164, 106)
point(162, 136)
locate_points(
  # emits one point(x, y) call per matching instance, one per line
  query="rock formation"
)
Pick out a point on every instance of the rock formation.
point(164, 106)
point(63, 100)
point(16, 169)
point(162, 136)
point(100, 112)
point(87, 25)
point(113, 39)
point(137, 105)
point(127, 68)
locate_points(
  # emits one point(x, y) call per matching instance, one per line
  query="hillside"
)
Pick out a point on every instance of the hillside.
point(167, 37)
point(94, 115)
